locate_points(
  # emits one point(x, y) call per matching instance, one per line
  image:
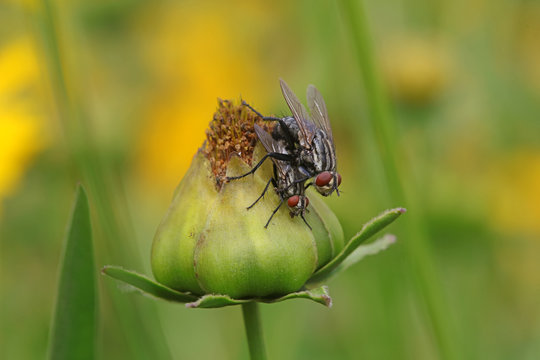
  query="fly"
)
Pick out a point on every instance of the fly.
point(284, 180)
point(307, 140)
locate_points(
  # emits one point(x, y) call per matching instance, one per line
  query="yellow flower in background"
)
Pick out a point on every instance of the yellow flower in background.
point(515, 200)
point(19, 68)
point(196, 54)
point(27, 4)
point(21, 129)
point(515, 206)
point(415, 68)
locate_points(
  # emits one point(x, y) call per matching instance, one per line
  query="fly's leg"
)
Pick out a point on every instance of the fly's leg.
point(303, 218)
point(273, 213)
point(272, 118)
point(282, 124)
point(264, 192)
point(266, 118)
point(298, 182)
point(273, 155)
point(304, 171)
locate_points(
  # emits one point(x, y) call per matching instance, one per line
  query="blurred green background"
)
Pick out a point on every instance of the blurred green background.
point(124, 106)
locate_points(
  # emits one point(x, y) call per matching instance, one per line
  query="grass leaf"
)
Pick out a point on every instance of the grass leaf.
point(74, 328)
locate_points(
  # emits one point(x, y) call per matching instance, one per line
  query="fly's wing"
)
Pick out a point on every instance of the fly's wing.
point(272, 145)
point(318, 110)
point(299, 113)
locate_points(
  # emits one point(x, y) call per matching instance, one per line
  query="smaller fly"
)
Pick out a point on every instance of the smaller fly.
point(285, 180)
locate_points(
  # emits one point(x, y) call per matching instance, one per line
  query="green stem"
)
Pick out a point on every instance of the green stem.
point(418, 252)
point(252, 322)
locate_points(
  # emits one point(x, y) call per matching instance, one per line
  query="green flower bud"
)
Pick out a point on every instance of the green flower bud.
point(210, 243)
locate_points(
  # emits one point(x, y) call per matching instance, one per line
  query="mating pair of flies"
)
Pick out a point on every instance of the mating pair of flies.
point(301, 148)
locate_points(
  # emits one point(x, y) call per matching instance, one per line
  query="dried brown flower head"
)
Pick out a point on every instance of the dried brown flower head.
point(231, 132)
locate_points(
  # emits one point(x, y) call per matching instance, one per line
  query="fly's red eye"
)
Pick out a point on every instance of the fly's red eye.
point(338, 179)
point(323, 178)
point(293, 200)
point(307, 202)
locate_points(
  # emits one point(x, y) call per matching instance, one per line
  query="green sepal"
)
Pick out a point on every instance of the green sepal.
point(361, 252)
point(146, 285)
point(155, 289)
point(319, 295)
point(368, 230)
point(215, 301)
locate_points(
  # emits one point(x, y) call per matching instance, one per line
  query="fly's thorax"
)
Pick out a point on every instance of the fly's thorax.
point(306, 162)
point(292, 127)
point(295, 189)
point(323, 153)
point(291, 124)
point(288, 185)
point(286, 134)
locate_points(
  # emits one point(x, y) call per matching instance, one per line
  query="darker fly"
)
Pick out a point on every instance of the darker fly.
point(285, 179)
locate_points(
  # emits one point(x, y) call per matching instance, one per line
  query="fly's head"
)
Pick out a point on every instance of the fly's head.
point(297, 204)
point(327, 181)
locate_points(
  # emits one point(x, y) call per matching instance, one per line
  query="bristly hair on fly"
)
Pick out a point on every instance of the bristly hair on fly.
point(231, 131)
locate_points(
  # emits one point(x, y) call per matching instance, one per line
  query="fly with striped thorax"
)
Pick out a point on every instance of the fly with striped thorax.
point(302, 148)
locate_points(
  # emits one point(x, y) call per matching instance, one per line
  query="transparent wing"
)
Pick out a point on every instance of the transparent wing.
point(271, 145)
point(318, 110)
point(299, 113)
point(267, 140)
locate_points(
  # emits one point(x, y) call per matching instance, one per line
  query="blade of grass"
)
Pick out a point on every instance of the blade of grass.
point(74, 326)
point(139, 321)
point(419, 255)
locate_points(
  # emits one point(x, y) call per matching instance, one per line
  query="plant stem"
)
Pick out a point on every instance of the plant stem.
point(418, 252)
point(252, 323)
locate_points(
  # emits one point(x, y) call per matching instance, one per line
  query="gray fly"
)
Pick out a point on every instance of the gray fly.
point(301, 147)
point(306, 141)
point(284, 180)
point(316, 152)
